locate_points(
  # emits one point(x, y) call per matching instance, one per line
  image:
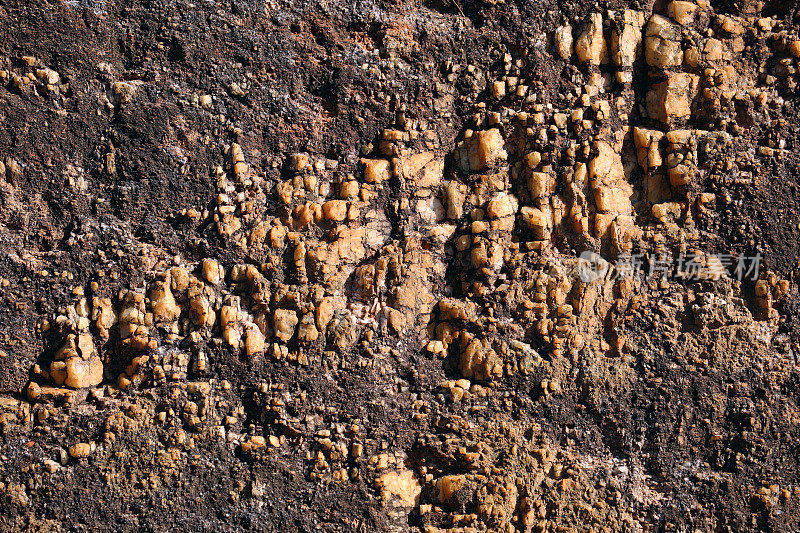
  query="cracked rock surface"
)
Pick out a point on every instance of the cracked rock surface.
point(389, 265)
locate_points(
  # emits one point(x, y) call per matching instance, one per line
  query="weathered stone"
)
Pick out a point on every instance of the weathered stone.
point(399, 489)
point(537, 221)
point(613, 199)
point(285, 321)
point(454, 200)
point(590, 46)
point(647, 147)
point(254, 341)
point(563, 41)
point(431, 210)
point(335, 210)
point(103, 314)
point(307, 331)
point(626, 37)
point(681, 12)
point(82, 373)
point(86, 346)
point(606, 167)
point(212, 271)
point(375, 170)
point(541, 184)
point(447, 486)
point(80, 450)
point(479, 361)
point(165, 309)
point(502, 205)
point(661, 211)
point(423, 169)
point(663, 43)
point(672, 98)
point(482, 150)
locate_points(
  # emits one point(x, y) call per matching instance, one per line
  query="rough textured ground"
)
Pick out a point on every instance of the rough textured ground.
point(315, 266)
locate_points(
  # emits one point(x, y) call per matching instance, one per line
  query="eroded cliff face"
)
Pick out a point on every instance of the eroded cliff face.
point(392, 266)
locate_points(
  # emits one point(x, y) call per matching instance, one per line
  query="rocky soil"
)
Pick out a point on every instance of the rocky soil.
point(391, 265)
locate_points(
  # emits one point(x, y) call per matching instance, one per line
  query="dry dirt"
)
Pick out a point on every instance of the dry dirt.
point(389, 265)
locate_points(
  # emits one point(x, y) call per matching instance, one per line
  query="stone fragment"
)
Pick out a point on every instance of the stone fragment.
point(335, 210)
point(541, 184)
point(502, 205)
point(663, 43)
point(454, 200)
point(681, 12)
point(324, 313)
point(82, 373)
point(103, 314)
point(229, 320)
point(626, 37)
point(307, 331)
point(123, 91)
point(375, 170)
point(612, 200)
point(285, 321)
point(482, 149)
point(606, 166)
point(348, 189)
point(647, 147)
point(431, 210)
point(672, 98)
point(85, 344)
point(563, 41)
point(165, 309)
point(537, 221)
point(499, 89)
point(80, 450)
point(212, 271)
point(254, 341)
point(447, 486)
point(663, 210)
point(479, 361)
point(399, 489)
point(455, 309)
point(590, 46)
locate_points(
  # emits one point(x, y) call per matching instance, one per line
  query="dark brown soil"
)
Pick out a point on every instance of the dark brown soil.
point(673, 444)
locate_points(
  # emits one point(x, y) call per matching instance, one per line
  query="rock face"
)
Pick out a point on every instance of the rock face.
point(76, 364)
point(482, 149)
point(399, 266)
point(590, 46)
point(673, 97)
point(662, 43)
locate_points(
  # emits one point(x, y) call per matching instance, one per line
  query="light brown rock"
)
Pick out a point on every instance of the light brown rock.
point(165, 309)
point(399, 489)
point(672, 98)
point(563, 41)
point(80, 450)
point(254, 341)
point(681, 12)
point(590, 46)
point(335, 210)
point(663, 43)
point(285, 321)
point(626, 37)
point(211, 271)
point(502, 205)
point(375, 170)
point(541, 184)
point(82, 373)
point(307, 331)
point(482, 150)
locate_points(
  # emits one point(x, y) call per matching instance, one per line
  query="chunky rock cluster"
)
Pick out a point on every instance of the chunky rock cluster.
point(465, 255)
